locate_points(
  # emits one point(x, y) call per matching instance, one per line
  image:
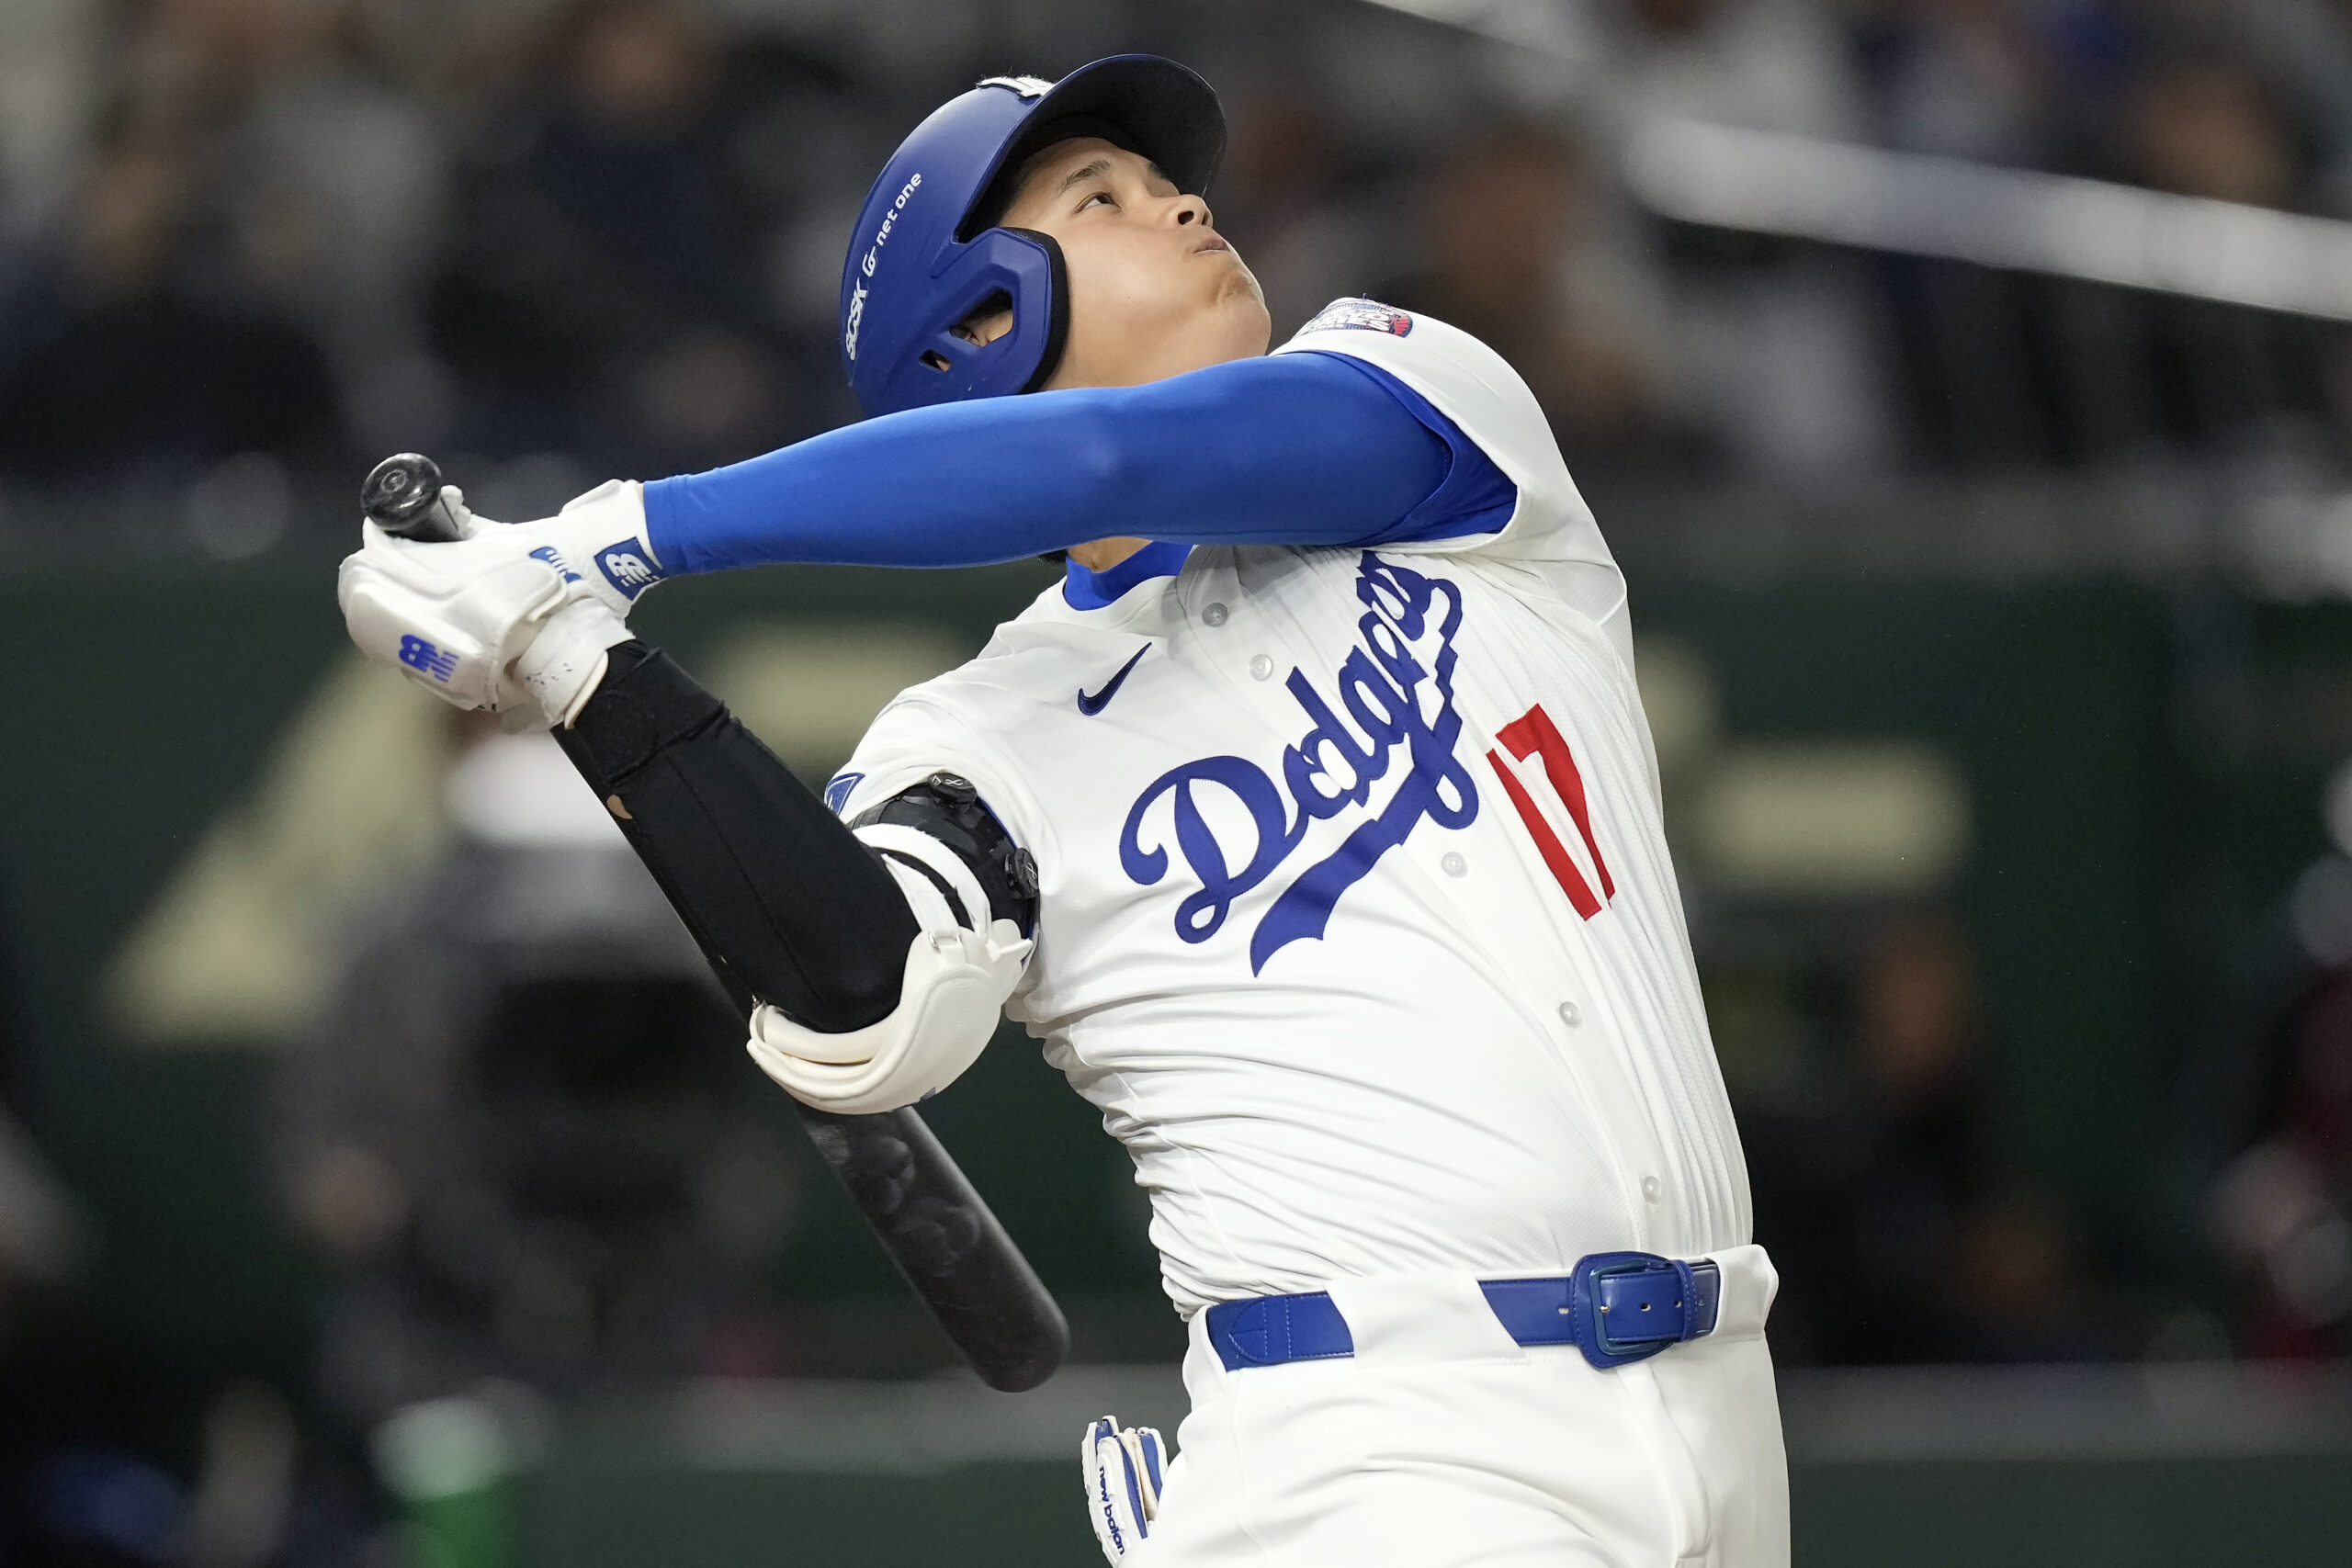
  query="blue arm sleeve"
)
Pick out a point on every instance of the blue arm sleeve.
point(1292, 449)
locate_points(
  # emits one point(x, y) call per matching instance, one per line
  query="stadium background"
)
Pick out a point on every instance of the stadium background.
point(1992, 624)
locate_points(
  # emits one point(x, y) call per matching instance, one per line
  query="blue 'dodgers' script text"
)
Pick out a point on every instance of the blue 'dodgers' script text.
point(1397, 688)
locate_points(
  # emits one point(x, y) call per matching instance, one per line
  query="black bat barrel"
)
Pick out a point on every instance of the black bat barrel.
point(936, 1227)
point(946, 1243)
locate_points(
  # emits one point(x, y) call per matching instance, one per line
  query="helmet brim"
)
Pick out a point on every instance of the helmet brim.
point(1163, 110)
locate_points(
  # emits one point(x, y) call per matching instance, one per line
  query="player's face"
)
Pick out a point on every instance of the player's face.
point(1155, 290)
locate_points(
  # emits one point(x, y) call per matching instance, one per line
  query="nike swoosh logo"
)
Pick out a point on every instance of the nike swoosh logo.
point(1090, 705)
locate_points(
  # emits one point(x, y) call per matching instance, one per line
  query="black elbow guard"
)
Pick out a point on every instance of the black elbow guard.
point(947, 806)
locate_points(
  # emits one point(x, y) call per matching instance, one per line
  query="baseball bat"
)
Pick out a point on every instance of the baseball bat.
point(933, 1225)
point(403, 496)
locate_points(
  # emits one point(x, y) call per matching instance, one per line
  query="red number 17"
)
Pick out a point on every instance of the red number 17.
point(1532, 733)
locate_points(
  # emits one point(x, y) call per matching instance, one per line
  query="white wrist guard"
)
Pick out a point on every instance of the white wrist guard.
point(949, 1003)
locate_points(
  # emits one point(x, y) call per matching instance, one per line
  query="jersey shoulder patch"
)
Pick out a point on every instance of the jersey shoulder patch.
point(1365, 315)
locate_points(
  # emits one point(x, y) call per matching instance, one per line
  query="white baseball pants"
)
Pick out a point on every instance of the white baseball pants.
point(1443, 1443)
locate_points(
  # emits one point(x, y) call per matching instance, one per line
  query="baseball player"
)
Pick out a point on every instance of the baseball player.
point(1311, 821)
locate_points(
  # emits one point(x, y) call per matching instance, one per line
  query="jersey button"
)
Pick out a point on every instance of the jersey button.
point(1455, 864)
point(1653, 1188)
point(1571, 1014)
point(1214, 615)
point(1262, 668)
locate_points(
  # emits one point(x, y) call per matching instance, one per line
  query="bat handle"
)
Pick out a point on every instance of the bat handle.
point(402, 497)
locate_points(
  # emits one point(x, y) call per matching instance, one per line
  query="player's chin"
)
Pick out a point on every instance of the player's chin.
point(1241, 304)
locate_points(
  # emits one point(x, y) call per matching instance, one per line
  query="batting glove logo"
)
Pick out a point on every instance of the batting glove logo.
point(1124, 1473)
point(425, 658)
point(549, 554)
point(627, 570)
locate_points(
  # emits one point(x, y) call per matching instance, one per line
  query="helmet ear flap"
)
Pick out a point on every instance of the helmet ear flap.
point(1017, 265)
point(1049, 359)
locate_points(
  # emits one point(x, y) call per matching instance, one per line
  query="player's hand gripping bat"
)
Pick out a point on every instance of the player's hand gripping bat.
point(923, 1210)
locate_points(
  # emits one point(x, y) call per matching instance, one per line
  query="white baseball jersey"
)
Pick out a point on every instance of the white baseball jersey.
point(1357, 919)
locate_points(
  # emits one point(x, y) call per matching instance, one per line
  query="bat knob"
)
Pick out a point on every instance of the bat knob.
point(401, 494)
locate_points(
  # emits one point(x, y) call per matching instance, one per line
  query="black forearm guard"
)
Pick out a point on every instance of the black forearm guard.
point(782, 898)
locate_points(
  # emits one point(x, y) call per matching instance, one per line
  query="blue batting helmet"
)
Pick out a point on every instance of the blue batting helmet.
point(926, 254)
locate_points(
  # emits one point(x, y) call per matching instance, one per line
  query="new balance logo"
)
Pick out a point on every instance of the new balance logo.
point(548, 553)
point(627, 570)
point(421, 656)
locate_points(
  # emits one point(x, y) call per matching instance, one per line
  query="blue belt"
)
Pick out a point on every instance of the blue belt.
point(1616, 1307)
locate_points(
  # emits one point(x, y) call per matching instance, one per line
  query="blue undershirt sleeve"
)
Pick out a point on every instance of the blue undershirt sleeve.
point(1291, 449)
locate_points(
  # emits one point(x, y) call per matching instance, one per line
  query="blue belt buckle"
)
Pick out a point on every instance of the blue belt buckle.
point(1628, 1306)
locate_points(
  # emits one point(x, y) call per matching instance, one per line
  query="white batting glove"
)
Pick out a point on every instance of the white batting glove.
point(486, 621)
point(598, 544)
point(601, 538)
point(561, 670)
point(466, 624)
point(1124, 1467)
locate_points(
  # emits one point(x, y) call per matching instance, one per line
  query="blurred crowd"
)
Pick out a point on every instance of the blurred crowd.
point(522, 1146)
point(244, 243)
point(522, 1133)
